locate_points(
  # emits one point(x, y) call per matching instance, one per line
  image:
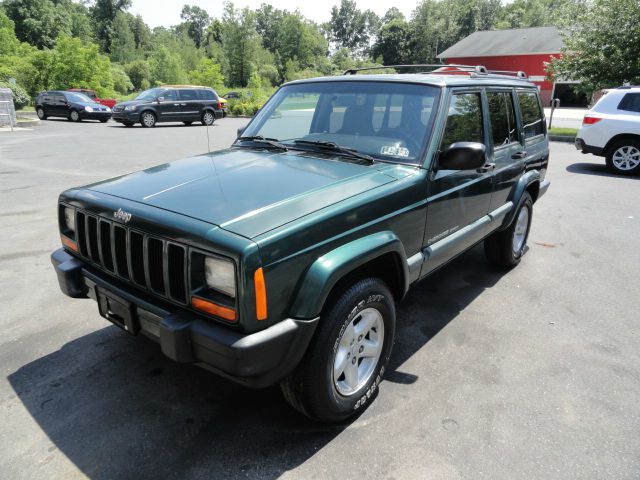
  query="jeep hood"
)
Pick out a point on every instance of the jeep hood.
point(250, 192)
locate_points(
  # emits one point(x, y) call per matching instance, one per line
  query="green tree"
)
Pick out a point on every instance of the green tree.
point(121, 81)
point(601, 50)
point(104, 13)
point(197, 21)
point(37, 22)
point(241, 44)
point(351, 28)
point(208, 74)
point(139, 73)
point(166, 67)
point(123, 45)
point(394, 43)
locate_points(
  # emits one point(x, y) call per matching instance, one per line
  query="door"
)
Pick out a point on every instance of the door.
point(533, 129)
point(168, 108)
point(507, 152)
point(190, 104)
point(60, 106)
point(458, 200)
point(48, 103)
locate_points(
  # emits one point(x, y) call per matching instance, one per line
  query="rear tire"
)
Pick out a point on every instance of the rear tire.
point(128, 124)
point(623, 157)
point(104, 120)
point(505, 248)
point(148, 119)
point(339, 375)
point(41, 114)
point(208, 118)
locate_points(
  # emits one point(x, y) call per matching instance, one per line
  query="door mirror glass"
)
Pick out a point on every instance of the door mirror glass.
point(160, 99)
point(463, 156)
point(240, 131)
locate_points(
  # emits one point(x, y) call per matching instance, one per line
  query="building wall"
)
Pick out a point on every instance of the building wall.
point(532, 65)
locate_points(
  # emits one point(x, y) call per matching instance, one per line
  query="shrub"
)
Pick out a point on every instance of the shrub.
point(20, 97)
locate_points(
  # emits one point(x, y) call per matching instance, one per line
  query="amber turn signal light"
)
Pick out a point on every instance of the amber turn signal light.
point(261, 294)
point(211, 308)
point(70, 244)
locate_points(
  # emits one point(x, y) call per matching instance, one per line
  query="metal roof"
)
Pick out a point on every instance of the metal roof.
point(520, 41)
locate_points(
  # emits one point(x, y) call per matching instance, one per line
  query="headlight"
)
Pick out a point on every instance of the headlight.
point(88, 109)
point(107, 109)
point(130, 107)
point(220, 274)
point(70, 218)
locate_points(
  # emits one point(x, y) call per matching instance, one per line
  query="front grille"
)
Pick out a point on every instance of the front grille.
point(118, 109)
point(152, 263)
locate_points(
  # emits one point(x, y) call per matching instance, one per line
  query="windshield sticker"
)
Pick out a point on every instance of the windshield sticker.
point(394, 151)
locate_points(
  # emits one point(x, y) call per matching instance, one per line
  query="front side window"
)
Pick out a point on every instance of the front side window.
point(170, 96)
point(464, 120)
point(502, 116)
point(149, 95)
point(389, 121)
point(77, 97)
point(630, 102)
point(532, 118)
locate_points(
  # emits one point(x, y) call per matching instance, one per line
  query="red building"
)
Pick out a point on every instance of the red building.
point(525, 49)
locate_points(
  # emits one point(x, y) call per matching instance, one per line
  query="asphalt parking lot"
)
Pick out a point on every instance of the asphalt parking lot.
point(529, 374)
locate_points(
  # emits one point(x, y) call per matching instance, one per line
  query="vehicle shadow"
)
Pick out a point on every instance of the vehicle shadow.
point(114, 124)
point(596, 169)
point(118, 409)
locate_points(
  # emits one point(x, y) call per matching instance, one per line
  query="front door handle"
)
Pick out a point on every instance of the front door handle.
point(519, 155)
point(486, 168)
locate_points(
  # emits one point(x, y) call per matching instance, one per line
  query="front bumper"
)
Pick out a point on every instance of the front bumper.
point(95, 115)
point(255, 360)
point(126, 116)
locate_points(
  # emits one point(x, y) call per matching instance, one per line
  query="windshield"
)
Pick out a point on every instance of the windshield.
point(150, 94)
point(386, 120)
point(78, 97)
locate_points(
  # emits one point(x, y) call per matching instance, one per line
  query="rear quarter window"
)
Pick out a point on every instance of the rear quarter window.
point(630, 103)
point(532, 118)
point(207, 94)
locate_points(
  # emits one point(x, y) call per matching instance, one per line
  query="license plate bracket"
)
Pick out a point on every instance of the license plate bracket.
point(118, 311)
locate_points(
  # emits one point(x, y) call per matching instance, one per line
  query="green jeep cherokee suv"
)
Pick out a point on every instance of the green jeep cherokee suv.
point(281, 258)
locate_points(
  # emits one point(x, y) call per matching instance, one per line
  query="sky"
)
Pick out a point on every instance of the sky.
point(167, 12)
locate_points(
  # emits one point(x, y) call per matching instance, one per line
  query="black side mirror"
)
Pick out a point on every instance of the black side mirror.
point(160, 99)
point(240, 131)
point(463, 156)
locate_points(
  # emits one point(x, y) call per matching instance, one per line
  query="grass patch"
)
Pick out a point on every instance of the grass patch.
point(28, 108)
point(566, 132)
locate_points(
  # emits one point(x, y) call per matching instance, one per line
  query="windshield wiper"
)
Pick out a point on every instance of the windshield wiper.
point(334, 147)
point(273, 142)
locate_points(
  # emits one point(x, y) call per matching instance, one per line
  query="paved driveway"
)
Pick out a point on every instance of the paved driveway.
point(533, 373)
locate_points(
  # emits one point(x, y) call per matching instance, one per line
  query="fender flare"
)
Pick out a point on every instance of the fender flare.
point(328, 269)
point(529, 178)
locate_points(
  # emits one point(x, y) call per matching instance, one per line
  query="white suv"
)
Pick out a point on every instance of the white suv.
point(611, 129)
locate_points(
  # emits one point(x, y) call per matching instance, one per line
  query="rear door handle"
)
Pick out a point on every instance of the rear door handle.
point(486, 168)
point(519, 155)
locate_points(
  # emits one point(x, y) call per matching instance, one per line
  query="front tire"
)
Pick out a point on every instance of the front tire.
point(148, 120)
point(208, 118)
point(505, 248)
point(188, 124)
point(340, 372)
point(624, 157)
point(41, 114)
point(74, 116)
point(128, 124)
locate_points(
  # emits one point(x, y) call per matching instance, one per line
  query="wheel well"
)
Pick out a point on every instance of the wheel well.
point(622, 136)
point(533, 189)
point(386, 267)
point(142, 112)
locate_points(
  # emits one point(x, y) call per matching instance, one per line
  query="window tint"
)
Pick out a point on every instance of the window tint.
point(502, 117)
point(630, 102)
point(188, 95)
point(58, 97)
point(464, 121)
point(207, 94)
point(301, 108)
point(170, 95)
point(531, 114)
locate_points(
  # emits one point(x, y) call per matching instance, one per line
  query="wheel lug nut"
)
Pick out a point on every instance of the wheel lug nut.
point(361, 349)
point(348, 355)
point(353, 360)
point(360, 338)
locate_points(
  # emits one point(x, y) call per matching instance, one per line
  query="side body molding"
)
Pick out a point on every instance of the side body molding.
point(325, 272)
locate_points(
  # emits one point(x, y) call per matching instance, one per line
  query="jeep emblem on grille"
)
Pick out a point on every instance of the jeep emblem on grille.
point(122, 215)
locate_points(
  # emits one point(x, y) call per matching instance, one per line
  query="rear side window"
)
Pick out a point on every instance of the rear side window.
point(464, 120)
point(531, 114)
point(502, 116)
point(630, 102)
point(207, 95)
point(188, 94)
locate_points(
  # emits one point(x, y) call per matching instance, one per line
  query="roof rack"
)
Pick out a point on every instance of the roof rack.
point(439, 69)
point(478, 69)
point(519, 73)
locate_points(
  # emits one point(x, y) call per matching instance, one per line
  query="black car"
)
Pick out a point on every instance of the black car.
point(71, 105)
point(170, 104)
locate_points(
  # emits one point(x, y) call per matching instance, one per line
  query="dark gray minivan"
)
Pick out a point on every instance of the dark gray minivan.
point(186, 104)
